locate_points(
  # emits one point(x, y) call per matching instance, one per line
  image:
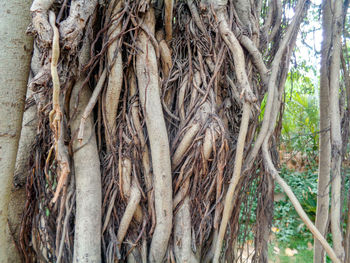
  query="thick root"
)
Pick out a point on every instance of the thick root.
point(28, 132)
point(182, 234)
point(133, 203)
point(87, 238)
point(147, 76)
point(185, 143)
point(168, 19)
point(115, 79)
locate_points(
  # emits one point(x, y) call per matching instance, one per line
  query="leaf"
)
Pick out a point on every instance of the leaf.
point(47, 212)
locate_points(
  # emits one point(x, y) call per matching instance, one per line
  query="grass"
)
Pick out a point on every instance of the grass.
point(304, 255)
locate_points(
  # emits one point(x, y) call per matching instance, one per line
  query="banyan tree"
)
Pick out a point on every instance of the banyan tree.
point(150, 127)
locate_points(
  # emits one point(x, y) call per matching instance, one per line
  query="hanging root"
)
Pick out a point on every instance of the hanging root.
point(165, 54)
point(168, 19)
point(182, 234)
point(185, 143)
point(91, 104)
point(228, 205)
point(55, 116)
point(134, 197)
point(271, 168)
point(26, 140)
point(145, 152)
point(115, 78)
point(147, 77)
point(87, 237)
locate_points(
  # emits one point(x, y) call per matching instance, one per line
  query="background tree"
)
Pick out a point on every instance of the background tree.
point(323, 199)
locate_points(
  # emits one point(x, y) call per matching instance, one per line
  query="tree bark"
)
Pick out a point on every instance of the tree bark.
point(14, 70)
point(87, 236)
point(322, 212)
point(336, 138)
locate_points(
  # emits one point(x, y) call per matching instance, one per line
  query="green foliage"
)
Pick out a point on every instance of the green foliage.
point(287, 221)
point(301, 114)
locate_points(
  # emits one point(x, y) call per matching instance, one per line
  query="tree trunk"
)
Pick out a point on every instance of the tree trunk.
point(14, 70)
point(336, 138)
point(325, 146)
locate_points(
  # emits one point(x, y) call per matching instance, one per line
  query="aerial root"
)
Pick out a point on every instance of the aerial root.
point(88, 189)
point(168, 19)
point(55, 116)
point(149, 91)
point(133, 195)
point(182, 234)
point(185, 143)
point(115, 80)
point(129, 213)
point(91, 104)
point(274, 173)
point(228, 205)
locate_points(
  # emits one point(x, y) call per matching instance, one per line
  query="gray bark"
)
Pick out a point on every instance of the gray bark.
point(322, 212)
point(87, 237)
point(14, 69)
point(336, 139)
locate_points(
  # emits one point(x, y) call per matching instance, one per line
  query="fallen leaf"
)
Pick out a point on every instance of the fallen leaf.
point(290, 252)
point(274, 229)
point(276, 250)
point(309, 246)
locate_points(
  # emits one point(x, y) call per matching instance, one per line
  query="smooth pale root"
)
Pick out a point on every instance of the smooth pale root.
point(149, 89)
point(145, 152)
point(18, 195)
point(165, 55)
point(182, 234)
point(28, 132)
point(92, 102)
point(139, 131)
point(133, 202)
point(200, 117)
point(182, 192)
point(15, 55)
point(87, 238)
point(185, 143)
point(125, 176)
point(133, 194)
point(115, 79)
point(208, 142)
